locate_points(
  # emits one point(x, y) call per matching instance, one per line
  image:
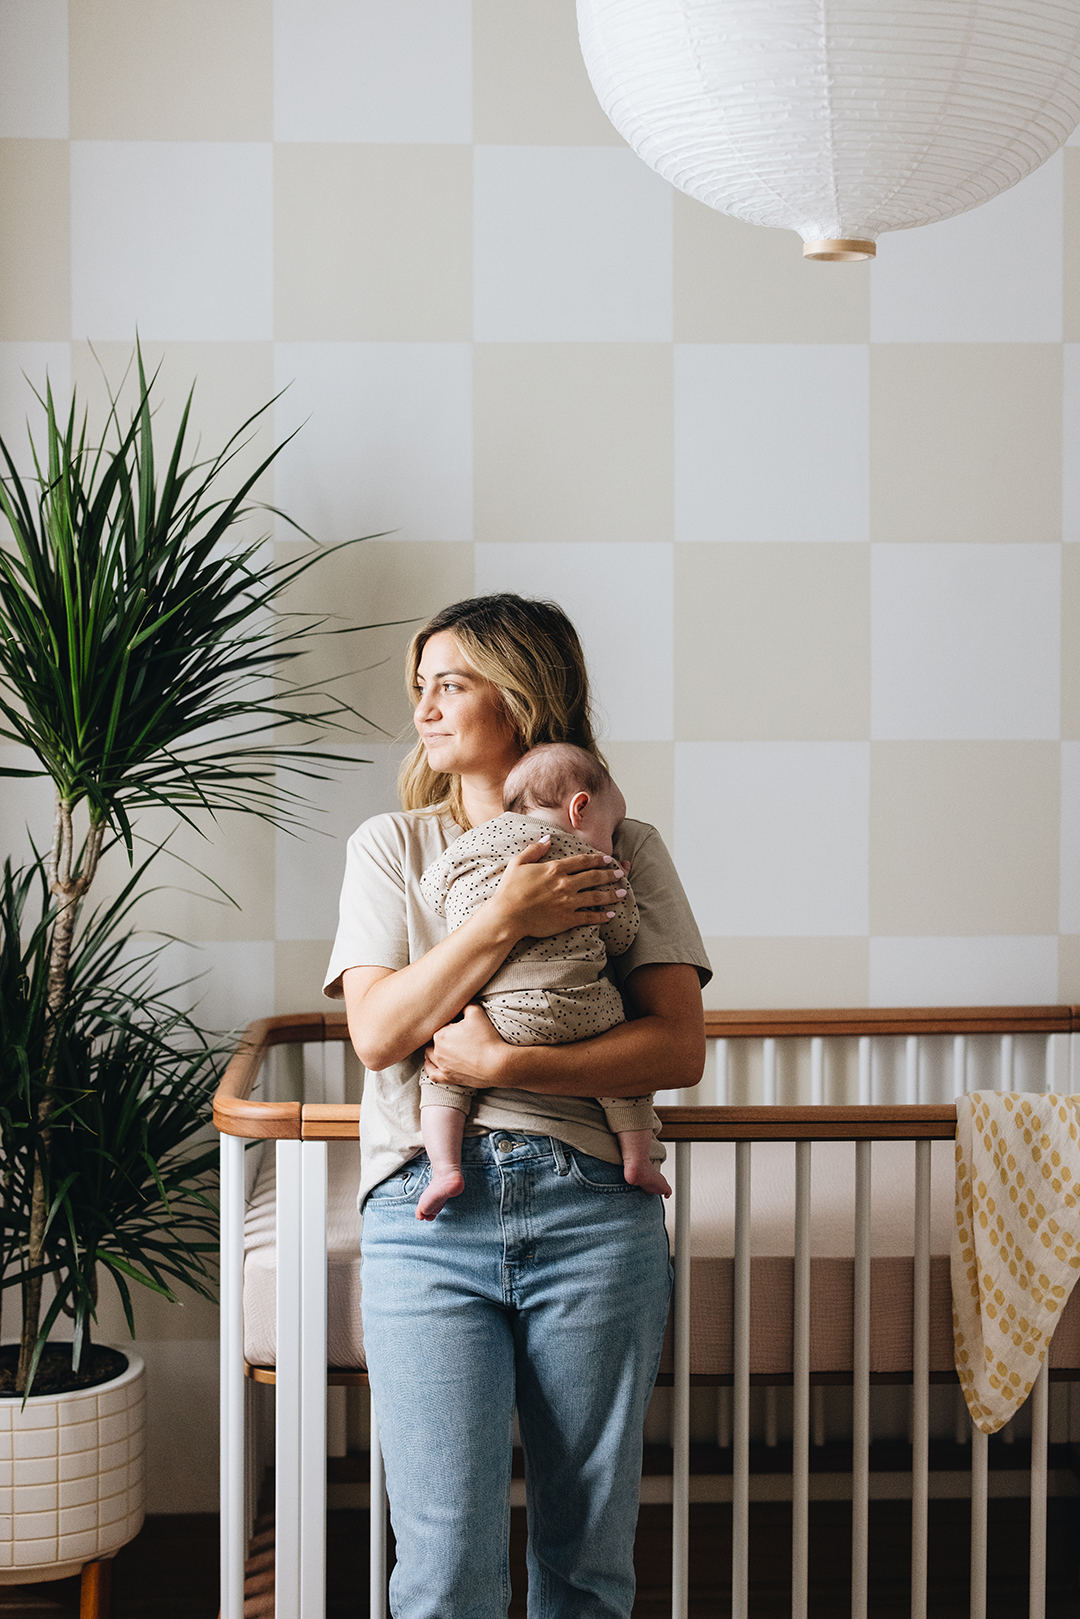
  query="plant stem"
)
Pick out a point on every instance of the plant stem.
point(69, 886)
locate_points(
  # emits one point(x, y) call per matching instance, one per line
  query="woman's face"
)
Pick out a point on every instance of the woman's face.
point(459, 715)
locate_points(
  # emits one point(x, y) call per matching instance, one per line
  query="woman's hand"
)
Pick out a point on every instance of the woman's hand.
point(466, 1052)
point(539, 898)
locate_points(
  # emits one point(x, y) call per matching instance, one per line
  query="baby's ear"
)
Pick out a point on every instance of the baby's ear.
point(577, 807)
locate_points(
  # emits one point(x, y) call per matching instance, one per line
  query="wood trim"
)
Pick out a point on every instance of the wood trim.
point(336, 1377)
point(893, 1020)
point(890, 1123)
point(235, 1114)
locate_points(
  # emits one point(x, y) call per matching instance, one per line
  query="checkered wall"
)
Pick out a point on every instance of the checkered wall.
point(818, 524)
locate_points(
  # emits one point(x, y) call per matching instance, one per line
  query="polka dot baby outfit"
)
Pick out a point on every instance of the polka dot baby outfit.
point(547, 991)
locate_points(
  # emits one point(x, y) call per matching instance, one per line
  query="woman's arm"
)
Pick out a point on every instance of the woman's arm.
point(392, 1014)
point(661, 1048)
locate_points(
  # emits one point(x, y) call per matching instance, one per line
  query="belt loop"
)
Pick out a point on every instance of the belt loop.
point(558, 1152)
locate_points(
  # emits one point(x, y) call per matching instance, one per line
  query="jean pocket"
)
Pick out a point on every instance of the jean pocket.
point(597, 1175)
point(403, 1186)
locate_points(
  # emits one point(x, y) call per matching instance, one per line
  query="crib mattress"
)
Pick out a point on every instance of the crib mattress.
point(712, 1244)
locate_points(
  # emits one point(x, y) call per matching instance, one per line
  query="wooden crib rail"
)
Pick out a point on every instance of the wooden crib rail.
point(235, 1114)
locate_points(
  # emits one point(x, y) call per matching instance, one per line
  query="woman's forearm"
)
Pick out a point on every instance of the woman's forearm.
point(398, 1012)
point(662, 1047)
point(646, 1055)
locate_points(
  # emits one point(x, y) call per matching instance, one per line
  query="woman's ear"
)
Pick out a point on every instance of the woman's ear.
point(576, 809)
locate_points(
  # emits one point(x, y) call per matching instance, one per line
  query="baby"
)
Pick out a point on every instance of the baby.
point(548, 991)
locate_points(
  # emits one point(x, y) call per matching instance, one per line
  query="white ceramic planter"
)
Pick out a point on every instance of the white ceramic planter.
point(71, 1476)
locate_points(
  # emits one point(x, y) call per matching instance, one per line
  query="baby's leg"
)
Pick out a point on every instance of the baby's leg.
point(638, 1167)
point(442, 1129)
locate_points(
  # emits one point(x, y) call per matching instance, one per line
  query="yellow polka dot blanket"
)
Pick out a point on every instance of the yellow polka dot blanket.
point(1016, 1244)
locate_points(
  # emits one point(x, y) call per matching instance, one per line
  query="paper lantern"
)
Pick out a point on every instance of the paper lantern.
point(840, 119)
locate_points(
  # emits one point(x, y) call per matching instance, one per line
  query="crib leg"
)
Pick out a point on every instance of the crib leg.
point(95, 1589)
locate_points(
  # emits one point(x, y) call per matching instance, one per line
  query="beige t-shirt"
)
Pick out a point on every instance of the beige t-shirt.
point(385, 921)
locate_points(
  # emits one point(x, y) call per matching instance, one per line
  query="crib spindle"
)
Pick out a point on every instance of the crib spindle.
point(959, 1065)
point(866, 1071)
point(911, 1070)
point(1040, 1422)
point(740, 1474)
point(232, 1388)
point(817, 1071)
point(920, 1383)
point(800, 1463)
point(980, 1456)
point(860, 1461)
point(377, 1571)
point(680, 1462)
point(768, 1083)
point(1007, 1054)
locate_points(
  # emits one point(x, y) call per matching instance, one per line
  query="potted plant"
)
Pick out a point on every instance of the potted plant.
point(143, 663)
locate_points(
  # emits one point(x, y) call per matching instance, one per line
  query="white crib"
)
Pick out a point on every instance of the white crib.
point(798, 1077)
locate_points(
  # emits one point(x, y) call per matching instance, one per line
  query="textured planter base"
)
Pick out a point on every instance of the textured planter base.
point(71, 1476)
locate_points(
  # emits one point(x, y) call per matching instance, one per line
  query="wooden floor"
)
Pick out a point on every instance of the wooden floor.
point(170, 1571)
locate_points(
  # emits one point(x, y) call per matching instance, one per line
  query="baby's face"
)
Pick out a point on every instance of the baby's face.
point(599, 819)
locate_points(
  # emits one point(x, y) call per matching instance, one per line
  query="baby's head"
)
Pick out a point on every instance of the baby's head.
point(568, 787)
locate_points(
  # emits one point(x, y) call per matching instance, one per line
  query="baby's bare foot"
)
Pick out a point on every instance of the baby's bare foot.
point(644, 1174)
point(444, 1185)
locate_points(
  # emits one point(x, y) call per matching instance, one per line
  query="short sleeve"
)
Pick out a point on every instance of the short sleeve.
point(373, 926)
point(667, 932)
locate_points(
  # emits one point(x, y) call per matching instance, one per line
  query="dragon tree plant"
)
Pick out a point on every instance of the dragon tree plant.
point(144, 662)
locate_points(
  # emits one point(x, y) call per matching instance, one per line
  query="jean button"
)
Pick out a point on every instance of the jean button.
point(505, 1146)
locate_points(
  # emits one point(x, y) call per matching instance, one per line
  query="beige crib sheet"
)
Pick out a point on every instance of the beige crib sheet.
point(712, 1243)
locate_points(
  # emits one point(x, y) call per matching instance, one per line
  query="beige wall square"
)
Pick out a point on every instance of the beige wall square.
point(1070, 642)
point(738, 283)
point(1069, 969)
point(231, 382)
point(179, 896)
point(171, 70)
point(530, 87)
point(790, 972)
point(299, 970)
point(646, 773)
point(35, 241)
point(964, 838)
point(573, 441)
point(772, 642)
point(192, 1317)
point(373, 243)
point(1071, 261)
point(965, 441)
point(374, 583)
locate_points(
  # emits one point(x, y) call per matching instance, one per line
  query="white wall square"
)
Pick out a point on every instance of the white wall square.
point(34, 69)
point(1070, 837)
point(772, 838)
point(386, 440)
point(229, 984)
point(172, 237)
point(772, 441)
point(362, 70)
point(619, 597)
point(996, 971)
point(993, 275)
point(965, 642)
point(572, 244)
point(310, 865)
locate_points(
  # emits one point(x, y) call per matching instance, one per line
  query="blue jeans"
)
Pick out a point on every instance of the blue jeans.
point(544, 1285)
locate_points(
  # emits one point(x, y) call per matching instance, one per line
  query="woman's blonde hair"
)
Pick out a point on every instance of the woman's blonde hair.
point(531, 652)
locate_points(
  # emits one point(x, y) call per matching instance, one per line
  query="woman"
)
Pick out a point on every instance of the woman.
point(544, 1286)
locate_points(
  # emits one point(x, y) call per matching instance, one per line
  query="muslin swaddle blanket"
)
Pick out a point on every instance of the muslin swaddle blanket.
point(1016, 1245)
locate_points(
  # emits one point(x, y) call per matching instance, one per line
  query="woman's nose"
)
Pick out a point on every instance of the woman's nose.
point(425, 708)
